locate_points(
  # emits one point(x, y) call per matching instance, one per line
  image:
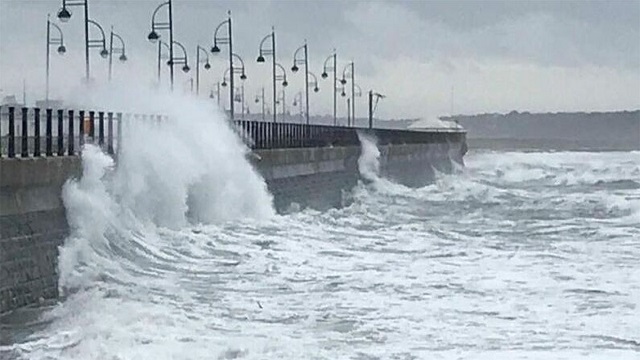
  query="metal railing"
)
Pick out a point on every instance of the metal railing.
point(27, 132)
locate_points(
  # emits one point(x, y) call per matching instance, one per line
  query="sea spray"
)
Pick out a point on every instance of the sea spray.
point(187, 168)
point(369, 160)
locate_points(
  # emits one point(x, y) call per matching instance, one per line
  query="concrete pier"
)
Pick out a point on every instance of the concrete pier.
point(306, 165)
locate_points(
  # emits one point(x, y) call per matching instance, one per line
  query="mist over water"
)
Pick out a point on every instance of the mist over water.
point(176, 253)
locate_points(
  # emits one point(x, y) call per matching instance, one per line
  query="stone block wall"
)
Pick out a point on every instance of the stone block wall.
point(32, 226)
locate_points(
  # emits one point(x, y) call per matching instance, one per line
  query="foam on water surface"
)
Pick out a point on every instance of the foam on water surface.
point(180, 256)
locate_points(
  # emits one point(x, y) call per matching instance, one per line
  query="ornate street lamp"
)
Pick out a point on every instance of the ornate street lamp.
point(207, 65)
point(333, 68)
point(64, 15)
point(314, 84)
point(228, 40)
point(183, 60)
point(266, 52)
point(229, 74)
point(305, 61)
point(53, 41)
point(120, 50)
point(352, 71)
point(168, 25)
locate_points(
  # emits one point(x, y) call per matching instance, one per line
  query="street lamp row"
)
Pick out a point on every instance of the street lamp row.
point(300, 56)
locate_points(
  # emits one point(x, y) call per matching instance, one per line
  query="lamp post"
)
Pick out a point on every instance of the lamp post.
point(120, 50)
point(179, 60)
point(207, 66)
point(231, 71)
point(304, 61)
point(261, 99)
point(168, 25)
point(53, 41)
point(160, 45)
point(351, 100)
point(297, 101)
point(99, 43)
point(281, 100)
point(64, 15)
point(324, 75)
point(372, 106)
point(215, 49)
point(282, 77)
point(344, 81)
point(271, 52)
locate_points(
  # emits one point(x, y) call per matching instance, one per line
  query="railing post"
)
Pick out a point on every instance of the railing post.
point(81, 129)
point(49, 134)
point(92, 126)
point(119, 149)
point(60, 132)
point(25, 134)
point(11, 151)
point(101, 128)
point(36, 132)
point(110, 133)
point(70, 136)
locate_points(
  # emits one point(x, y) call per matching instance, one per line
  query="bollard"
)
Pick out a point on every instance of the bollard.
point(92, 126)
point(81, 130)
point(60, 133)
point(110, 133)
point(11, 151)
point(70, 136)
point(36, 132)
point(25, 134)
point(101, 128)
point(49, 134)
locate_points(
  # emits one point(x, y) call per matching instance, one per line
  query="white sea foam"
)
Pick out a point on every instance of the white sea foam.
point(480, 264)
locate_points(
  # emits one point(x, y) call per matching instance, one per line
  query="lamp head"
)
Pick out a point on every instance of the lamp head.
point(257, 100)
point(324, 75)
point(285, 83)
point(123, 58)
point(153, 36)
point(295, 103)
point(104, 53)
point(207, 66)
point(224, 83)
point(169, 62)
point(186, 68)
point(62, 49)
point(343, 94)
point(215, 49)
point(294, 68)
point(64, 15)
point(243, 77)
point(316, 89)
point(260, 59)
point(343, 81)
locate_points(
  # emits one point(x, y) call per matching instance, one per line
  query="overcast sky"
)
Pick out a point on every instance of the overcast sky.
point(487, 56)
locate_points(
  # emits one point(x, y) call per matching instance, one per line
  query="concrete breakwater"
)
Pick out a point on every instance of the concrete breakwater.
point(306, 165)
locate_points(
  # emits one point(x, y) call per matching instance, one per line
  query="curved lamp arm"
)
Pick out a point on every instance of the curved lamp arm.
point(153, 17)
point(59, 31)
point(99, 27)
point(239, 59)
point(199, 49)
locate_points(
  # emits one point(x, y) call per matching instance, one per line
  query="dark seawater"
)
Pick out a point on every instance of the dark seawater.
point(520, 255)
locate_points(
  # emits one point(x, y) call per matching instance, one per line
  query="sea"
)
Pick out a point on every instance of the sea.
point(517, 255)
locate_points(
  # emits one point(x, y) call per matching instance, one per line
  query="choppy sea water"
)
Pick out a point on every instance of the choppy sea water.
point(517, 256)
